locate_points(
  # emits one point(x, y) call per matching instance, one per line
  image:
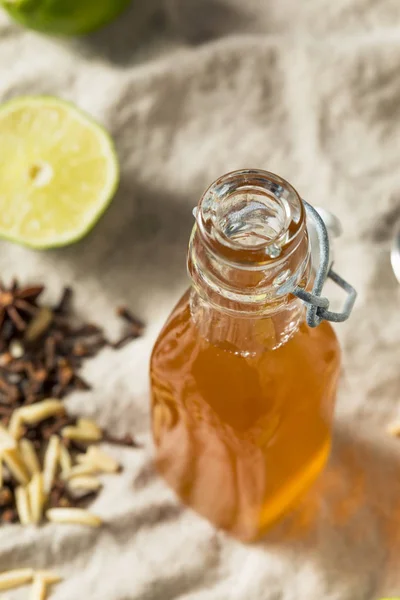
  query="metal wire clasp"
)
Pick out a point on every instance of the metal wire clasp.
point(317, 305)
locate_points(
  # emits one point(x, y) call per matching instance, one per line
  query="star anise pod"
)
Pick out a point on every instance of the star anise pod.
point(18, 304)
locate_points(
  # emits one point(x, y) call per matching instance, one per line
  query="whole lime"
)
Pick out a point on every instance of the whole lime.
point(64, 17)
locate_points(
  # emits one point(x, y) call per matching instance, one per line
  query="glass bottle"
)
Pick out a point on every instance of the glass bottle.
point(243, 389)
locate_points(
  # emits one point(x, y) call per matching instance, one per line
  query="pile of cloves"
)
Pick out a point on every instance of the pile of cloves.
point(49, 460)
point(42, 349)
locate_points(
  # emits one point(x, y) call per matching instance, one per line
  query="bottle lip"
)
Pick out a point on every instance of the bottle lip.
point(229, 261)
point(250, 216)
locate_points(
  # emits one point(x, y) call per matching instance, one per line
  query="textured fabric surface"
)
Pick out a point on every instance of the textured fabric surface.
point(309, 90)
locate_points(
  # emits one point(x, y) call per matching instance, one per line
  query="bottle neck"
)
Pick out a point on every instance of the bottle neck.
point(248, 250)
point(242, 333)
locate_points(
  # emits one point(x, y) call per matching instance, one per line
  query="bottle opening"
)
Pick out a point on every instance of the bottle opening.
point(251, 210)
point(251, 218)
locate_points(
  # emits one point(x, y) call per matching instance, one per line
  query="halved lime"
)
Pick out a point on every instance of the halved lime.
point(58, 172)
point(65, 17)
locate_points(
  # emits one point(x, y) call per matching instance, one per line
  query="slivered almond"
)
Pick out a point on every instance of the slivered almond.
point(15, 426)
point(49, 577)
point(65, 461)
point(99, 459)
point(39, 588)
point(29, 456)
point(77, 516)
point(87, 484)
point(41, 410)
point(15, 578)
point(22, 503)
point(81, 434)
point(82, 458)
point(36, 497)
point(80, 470)
point(50, 463)
point(90, 426)
point(15, 465)
point(7, 441)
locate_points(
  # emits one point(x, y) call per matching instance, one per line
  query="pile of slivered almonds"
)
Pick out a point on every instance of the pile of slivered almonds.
point(49, 460)
point(72, 475)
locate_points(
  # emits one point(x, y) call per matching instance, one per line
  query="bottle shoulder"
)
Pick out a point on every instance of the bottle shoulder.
point(181, 335)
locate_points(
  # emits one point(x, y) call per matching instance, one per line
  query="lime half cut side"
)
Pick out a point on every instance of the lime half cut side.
point(58, 172)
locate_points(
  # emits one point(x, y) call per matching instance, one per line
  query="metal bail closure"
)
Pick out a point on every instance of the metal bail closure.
point(317, 305)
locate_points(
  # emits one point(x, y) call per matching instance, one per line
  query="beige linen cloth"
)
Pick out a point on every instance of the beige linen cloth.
point(311, 91)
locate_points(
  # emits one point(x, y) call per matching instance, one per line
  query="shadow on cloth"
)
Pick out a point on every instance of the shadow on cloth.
point(198, 21)
point(138, 248)
point(354, 504)
point(119, 41)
